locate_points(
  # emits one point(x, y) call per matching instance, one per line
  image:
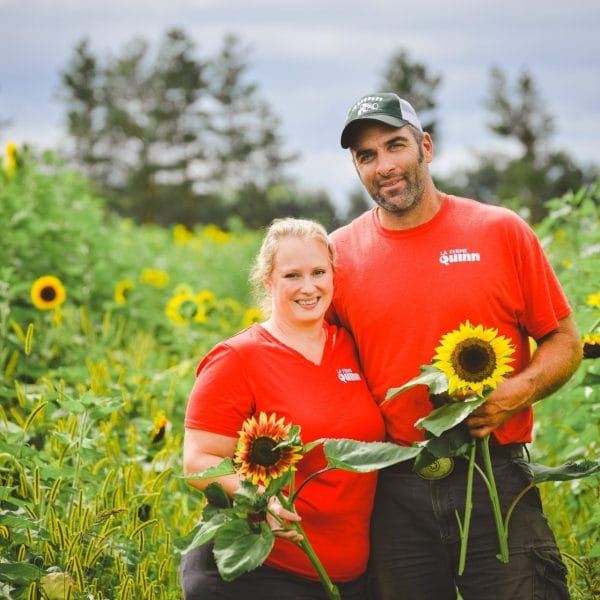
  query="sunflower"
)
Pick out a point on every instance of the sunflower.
point(594, 299)
point(155, 277)
point(11, 158)
point(261, 454)
point(48, 292)
point(591, 345)
point(252, 315)
point(122, 290)
point(473, 358)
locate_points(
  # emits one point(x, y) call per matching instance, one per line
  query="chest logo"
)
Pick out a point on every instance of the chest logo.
point(346, 375)
point(458, 255)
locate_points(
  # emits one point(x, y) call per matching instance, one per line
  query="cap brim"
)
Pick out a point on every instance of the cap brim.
point(347, 132)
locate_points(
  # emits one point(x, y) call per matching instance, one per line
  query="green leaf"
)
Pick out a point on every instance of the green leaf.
point(19, 573)
point(565, 472)
point(452, 442)
point(225, 467)
point(247, 498)
point(208, 530)
point(238, 549)
point(363, 457)
point(431, 376)
point(449, 415)
point(216, 495)
point(277, 485)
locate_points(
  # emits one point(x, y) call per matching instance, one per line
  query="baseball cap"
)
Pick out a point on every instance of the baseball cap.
point(386, 107)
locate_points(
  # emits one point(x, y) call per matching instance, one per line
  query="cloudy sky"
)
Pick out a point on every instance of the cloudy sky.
point(313, 58)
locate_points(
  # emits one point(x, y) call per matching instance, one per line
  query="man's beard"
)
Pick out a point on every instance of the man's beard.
point(410, 196)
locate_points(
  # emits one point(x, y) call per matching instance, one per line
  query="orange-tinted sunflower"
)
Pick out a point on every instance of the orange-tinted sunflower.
point(261, 454)
point(474, 359)
point(48, 292)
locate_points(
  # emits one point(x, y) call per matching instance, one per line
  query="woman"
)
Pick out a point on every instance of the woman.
point(303, 369)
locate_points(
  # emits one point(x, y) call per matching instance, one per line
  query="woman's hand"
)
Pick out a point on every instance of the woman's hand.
point(278, 517)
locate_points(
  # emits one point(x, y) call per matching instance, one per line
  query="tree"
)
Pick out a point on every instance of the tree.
point(525, 182)
point(413, 81)
point(171, 138)
point(519, 114)
point(136, 123)
point(246, 147)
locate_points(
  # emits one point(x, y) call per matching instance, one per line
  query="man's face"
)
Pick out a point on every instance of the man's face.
point(392, 165)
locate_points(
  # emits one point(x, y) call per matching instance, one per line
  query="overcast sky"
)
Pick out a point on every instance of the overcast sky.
point(313, 58)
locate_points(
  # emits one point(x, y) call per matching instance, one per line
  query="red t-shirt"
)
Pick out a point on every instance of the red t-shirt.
point(253, 372)
point(399, 292)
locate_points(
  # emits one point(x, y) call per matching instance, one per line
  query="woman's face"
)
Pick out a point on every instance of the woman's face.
point(301, 282)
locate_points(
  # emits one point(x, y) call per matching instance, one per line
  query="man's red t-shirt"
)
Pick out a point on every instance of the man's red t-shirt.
point(399, 292)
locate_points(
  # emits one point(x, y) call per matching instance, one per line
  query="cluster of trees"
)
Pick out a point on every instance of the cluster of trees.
point(168, 137)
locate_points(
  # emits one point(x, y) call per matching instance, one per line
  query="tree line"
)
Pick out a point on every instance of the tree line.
point(167, 136)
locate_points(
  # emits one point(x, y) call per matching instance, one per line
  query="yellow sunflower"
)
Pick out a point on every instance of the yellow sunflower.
point(48, 292)
point(155, 277)
point(474, 359)
point(591, 345)
point(252, 315)
point(594, 299)
point(122, 290)
point(11, 158)
point(259, 454)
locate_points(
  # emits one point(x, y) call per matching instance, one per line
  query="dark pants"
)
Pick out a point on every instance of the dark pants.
point(200, 580)
point(415, 540)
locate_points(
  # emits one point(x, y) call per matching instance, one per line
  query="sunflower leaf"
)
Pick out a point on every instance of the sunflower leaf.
point(247, 498)
point(448, 416)
point(452, 442)
point(277, 484)
point(216, 496)
point(431, 376)
point(208, 530)
point(363, 457)
point(238, 549)
point(225, 467)
point(565, 472)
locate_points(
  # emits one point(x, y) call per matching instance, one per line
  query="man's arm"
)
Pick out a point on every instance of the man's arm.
point(556, 358)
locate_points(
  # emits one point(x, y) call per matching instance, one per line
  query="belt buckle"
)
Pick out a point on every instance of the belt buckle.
point(438, 469)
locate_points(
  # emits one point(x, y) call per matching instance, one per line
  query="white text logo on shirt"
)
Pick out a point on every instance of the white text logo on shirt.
point(346, 375)
point(458, 255)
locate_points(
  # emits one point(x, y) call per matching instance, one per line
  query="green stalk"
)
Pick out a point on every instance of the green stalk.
point(493, 492)
point(330, 587)
point(464, 526)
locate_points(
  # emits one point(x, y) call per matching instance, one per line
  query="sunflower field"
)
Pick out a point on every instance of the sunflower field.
point(102, 324)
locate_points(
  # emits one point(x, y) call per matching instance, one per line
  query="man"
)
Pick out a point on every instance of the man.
point(410, 270)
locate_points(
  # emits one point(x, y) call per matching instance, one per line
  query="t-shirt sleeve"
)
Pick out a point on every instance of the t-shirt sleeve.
point(221, 398)
point(545, 302)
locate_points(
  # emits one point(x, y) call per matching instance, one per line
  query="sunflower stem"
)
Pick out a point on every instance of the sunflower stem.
point(293, 496)
point(493, 492)
point(464, 526)
point(330, 587)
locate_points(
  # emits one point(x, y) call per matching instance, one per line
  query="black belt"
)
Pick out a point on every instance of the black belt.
point(444, 466)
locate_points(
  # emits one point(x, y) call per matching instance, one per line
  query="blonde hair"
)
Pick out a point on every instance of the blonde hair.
point(265, 259)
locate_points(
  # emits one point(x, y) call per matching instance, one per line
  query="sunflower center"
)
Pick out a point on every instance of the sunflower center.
point(48, 293)
point(474, 359)
point(262, 452)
